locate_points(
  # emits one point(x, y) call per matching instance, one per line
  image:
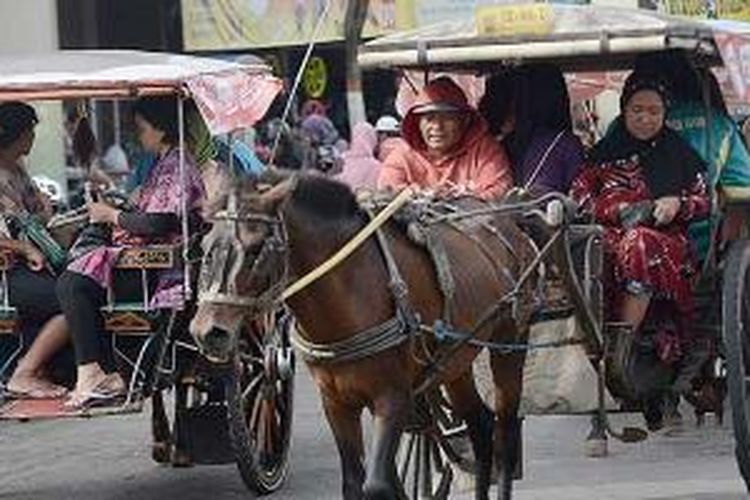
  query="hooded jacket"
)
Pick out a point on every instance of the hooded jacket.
point(361, 168)
point(477, 164)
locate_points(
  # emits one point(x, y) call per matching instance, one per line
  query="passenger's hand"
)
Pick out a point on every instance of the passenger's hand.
point(102, 213)
point(666, 209)
point(34, 258)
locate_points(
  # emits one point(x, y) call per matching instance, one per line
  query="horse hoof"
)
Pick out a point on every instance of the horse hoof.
point(596, 448)
point(161, 453)
point(181, 459)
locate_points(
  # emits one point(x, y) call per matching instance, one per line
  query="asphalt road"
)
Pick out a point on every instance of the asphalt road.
point(108, 459)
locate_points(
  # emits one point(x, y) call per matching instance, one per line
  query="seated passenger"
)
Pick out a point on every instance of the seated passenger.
point(82, 287)
point(720, 145)
point(496, 104)
point(31, 282)
point(544, 151)
point(645, 185)
point(448, 148)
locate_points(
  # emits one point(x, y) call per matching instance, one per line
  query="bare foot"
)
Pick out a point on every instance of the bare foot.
point(100, 386)
point(32, 387)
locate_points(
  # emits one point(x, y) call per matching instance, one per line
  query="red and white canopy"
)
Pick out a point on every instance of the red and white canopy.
point(229, 95)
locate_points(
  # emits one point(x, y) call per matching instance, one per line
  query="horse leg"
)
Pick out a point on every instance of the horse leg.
point(347, 431)
point(480, 423)
point(390, 412)
point(161, 446)
point(507, 371)
point(181, 454)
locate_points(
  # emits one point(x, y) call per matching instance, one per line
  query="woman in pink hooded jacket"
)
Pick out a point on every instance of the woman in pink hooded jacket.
point(361, 168)
point(448, 148)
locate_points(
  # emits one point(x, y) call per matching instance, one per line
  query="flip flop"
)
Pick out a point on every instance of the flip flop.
point(95, 399)
point(37, 393)
point(99, 396)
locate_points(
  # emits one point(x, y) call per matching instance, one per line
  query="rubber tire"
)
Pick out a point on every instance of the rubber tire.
point(258, 480)
point(736, 337)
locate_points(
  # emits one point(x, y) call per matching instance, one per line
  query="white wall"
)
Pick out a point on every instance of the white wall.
point(28, 26)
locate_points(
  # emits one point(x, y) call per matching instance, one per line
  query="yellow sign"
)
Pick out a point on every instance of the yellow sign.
point(315, 78)
point(243, 24)
point(514, 20)
point(721, 9)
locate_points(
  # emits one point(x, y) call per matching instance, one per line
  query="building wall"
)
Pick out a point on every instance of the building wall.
point(30, 26)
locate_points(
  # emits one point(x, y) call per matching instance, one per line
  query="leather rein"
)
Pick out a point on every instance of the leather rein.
point(386, 335)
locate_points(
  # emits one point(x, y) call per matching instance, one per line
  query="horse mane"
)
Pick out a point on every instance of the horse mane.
point(313, 195)
point(324, 198)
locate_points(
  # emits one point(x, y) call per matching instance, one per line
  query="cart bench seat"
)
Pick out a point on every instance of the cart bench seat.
point(134, 318)
point(149, 257)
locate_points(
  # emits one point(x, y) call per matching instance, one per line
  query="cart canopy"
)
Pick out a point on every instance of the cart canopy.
point(229, 95)
point(575, 37)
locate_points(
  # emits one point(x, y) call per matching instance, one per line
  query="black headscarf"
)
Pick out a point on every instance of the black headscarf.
point(669, 164)
point(541, 104)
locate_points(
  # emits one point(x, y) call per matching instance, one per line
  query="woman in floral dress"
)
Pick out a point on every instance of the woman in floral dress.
point(644, 184)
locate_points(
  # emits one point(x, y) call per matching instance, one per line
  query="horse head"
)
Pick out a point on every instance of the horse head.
point(244, 266)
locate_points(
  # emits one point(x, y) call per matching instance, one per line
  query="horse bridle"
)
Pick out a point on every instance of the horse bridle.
point(222, 289)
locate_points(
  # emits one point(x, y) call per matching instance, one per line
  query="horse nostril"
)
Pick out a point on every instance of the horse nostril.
point(217, 343)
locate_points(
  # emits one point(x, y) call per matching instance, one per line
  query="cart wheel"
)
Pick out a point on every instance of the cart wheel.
point(736, 336)
point(260, 399)
point(432, 445)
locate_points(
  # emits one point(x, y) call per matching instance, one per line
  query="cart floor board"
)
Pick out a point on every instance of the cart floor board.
point(35, 409)
point(46, 409)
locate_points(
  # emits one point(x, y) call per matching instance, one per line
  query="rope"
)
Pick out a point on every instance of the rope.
point(353, 244)
point(370, 342)
point(442, 333)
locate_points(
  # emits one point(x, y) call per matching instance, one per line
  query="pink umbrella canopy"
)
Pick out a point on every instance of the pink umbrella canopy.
point(228, 94)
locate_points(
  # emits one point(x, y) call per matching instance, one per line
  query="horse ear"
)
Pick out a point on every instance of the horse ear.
point(270, 200)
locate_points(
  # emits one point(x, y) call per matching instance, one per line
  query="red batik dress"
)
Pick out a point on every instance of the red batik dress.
point(655, 261)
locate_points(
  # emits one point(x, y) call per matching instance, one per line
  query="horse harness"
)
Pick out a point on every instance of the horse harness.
point(405, 325)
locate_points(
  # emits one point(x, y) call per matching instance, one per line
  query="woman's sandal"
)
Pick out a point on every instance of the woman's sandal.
point(49, 391)
point(94, 399)
point(102, 395)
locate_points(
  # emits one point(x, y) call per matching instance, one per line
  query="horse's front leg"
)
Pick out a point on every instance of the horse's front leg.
point(507, 371)
point(161, 445)
point(480, 422)
point(346, 425)
point(390, 414)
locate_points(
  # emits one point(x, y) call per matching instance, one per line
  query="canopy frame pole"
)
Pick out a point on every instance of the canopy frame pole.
point(184, 198)
point(711, 265)
point(297, 81)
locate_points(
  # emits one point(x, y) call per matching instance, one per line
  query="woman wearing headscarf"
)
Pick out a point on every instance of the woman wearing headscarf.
point(361, 168)
point(645, 185)
point(706, 126)
point(159, 208)
point(544, 151)
point(448, 147)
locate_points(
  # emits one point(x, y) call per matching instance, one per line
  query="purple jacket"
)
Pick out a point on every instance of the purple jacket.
point(546, 167)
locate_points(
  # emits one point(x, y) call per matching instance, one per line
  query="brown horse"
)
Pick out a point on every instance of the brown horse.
point(314, 217)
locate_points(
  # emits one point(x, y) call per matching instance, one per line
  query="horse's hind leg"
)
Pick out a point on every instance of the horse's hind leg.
point(480, 422)
point(507, 371)
point(161, 446)
point(390, 413)
point(347, 430)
